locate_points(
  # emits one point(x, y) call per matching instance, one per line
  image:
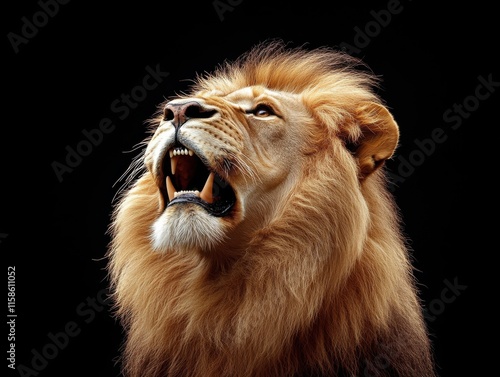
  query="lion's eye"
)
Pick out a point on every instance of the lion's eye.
point(262, 110)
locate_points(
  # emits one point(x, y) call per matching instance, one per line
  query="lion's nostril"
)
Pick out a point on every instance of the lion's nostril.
point(194, 111)
point(168, 114)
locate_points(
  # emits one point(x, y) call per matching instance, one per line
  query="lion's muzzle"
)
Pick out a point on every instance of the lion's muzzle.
point(187, 176)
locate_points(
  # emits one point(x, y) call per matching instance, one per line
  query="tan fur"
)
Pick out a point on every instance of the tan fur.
point(309, 275)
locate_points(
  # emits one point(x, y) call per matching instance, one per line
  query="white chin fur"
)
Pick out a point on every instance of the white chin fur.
point(186, 229)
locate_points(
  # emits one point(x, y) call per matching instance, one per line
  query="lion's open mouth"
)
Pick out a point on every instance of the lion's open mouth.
point(189, 180)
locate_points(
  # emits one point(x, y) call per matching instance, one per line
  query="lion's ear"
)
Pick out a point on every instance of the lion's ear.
point(378, 138)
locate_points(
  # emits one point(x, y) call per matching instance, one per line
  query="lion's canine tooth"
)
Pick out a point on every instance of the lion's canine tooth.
point(173, 164)
point(170, 189)
point(206, 193)
point(173, 153)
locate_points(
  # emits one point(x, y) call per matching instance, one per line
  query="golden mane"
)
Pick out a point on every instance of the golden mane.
point(321, 284)
point(331, 82)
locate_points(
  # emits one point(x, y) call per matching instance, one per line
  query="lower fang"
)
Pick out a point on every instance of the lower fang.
point(170, 189)
point(206, 193)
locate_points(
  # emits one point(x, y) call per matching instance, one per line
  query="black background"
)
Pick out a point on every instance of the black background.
point(64, 79)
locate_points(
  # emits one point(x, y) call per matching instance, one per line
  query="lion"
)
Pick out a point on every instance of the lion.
point(257, 235)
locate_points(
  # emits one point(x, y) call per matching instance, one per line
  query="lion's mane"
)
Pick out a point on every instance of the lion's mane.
point(324, 286)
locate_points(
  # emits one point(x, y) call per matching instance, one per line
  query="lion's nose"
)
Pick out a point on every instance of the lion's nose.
point(180, 113)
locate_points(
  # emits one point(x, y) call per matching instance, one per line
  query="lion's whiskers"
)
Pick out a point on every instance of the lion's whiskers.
point(134, 170)
point(246, 167)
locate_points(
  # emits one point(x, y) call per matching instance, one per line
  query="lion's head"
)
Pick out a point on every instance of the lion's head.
point(260, 240)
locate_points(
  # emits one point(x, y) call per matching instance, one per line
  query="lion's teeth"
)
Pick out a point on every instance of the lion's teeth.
point(206, 193)
point(182, 192)
point(180, 152)
point(170, 189)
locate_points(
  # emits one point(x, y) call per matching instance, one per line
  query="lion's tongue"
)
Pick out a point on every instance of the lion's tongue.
point(205, 194)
